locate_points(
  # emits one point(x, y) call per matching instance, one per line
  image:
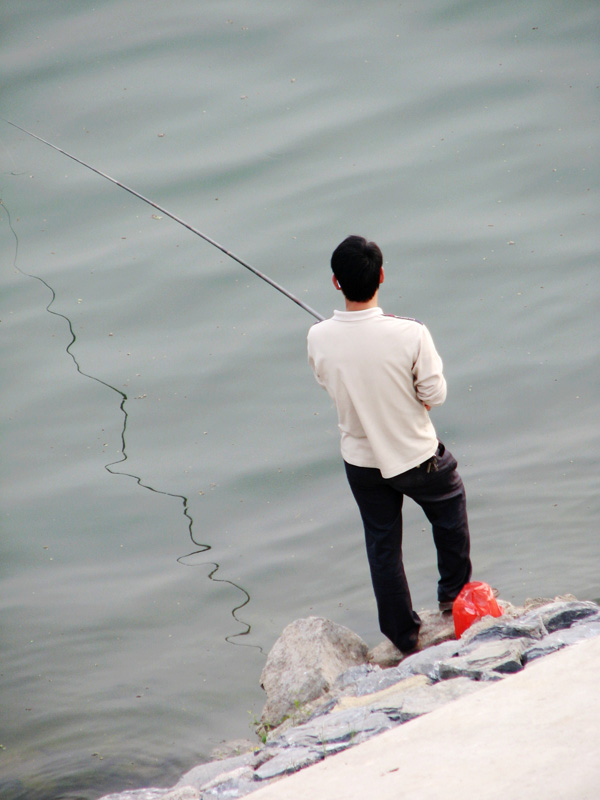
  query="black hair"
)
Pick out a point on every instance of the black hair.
point(356, 263)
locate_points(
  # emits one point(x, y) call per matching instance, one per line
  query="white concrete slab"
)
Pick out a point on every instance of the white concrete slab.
point(534, 735)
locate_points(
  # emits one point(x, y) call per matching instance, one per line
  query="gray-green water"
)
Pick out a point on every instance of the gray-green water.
point(463, 138)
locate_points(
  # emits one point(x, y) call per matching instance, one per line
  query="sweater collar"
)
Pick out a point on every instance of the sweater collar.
point(357, 316)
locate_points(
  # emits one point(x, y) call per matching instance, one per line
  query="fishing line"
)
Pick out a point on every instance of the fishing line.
point(202, 546)
point(185, 224)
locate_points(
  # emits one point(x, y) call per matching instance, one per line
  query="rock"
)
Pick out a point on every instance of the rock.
point(388, 700)
point(347, 682)
point(287, 762)
point(536, 602)
point(385, 655)
point(150, 793)
point(486, 661)
point(205, 773)
point(306, 713)
point(380, 680)
point(508, 609)
point(185, 793)
point(428, 698)
point(490, 628)
point(392, 697)
point(557, 616)
point(427, 662)
point(236, 783)
point(232, 748)
point(304, 663)
point(562, 638)
point(435, 628)
point(412, 697)
point(340, 727)
point(360, 700)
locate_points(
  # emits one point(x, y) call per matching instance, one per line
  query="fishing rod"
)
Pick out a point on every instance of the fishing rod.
point(185, 224)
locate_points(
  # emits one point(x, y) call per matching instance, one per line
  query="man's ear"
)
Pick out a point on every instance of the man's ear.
point(336, 283)
point(381, 277)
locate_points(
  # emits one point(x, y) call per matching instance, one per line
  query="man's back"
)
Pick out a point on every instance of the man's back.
point(381, 371)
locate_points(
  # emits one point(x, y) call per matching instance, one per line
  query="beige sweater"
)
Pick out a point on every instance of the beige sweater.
point(380, 371)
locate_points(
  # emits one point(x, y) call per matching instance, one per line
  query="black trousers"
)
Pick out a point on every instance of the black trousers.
point(437, 487)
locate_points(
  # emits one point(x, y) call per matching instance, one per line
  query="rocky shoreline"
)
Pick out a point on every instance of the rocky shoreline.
point(323, 713)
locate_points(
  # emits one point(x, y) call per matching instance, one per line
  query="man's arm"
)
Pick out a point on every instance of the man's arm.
point(429, 381)
point(311, 361)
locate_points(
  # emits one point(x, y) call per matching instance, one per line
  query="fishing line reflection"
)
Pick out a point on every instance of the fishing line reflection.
point(202, 547)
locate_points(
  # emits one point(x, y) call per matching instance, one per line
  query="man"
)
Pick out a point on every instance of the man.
point(384, 375)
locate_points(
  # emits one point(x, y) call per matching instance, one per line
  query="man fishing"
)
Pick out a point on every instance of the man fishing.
point(384, 376)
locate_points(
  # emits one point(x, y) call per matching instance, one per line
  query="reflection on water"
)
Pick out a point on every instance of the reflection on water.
point(188, 559)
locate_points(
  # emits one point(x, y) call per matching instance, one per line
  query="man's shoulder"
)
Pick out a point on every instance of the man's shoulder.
point(320, 324)
point(318, 330)
point(404, 319)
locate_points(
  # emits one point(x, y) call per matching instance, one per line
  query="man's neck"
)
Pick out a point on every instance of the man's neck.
point(352, 305)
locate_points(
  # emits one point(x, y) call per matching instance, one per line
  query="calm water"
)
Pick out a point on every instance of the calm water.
point(141, 588)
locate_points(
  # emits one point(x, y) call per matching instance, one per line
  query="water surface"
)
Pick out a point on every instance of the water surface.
point(161, 404)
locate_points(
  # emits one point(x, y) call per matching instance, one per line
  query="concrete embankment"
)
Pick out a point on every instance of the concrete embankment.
point(535, 734)
point(510, 710)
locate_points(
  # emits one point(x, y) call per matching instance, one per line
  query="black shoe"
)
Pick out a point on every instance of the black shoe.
point(411, 645)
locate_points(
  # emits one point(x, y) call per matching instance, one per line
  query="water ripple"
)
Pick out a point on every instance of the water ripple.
point(202, 547)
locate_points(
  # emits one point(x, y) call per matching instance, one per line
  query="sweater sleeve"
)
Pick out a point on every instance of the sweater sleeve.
point(311, 361)
point(429, 381)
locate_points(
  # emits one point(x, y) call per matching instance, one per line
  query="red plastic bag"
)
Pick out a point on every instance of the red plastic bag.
point(475, 601)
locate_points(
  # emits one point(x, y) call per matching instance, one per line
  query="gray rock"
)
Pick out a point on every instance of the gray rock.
point(415, 696)
point(490, 628)
point(548, 645)
point(427, 662)
point(347, 682)
point(336, 728)
point(232, 748)
point(428, 698)
point(137, 794)
point(234, 784)
point(558, 616)
point(385, 655)
point(304, 663)
point(288, 761)
point(239, 788)
point(353, 727)
point(486, 661)
point(381, 679)
point(185, 793)
point(435, 629)
point(561, 638)
point(585, 629)
point(536, 602)
point(320, 711)
point(508, 609)
point(392, 697)
point(204, 773)
point(362, 700)
point(267, 752)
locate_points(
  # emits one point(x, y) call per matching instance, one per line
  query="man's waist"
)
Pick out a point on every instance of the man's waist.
point(431, 464)
point(390, 459)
